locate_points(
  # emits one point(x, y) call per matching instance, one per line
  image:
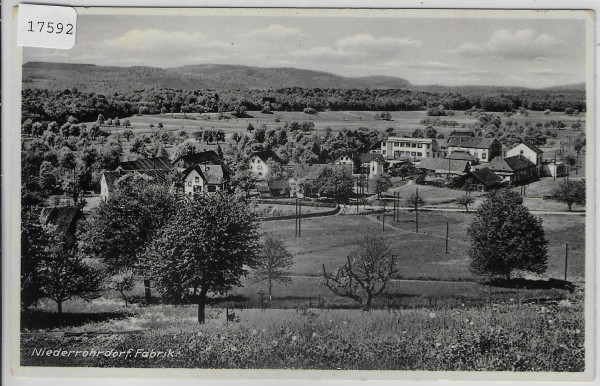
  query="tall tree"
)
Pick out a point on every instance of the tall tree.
point(366, 273)
point(273, 263)
point(506, 237)
point(206, 247)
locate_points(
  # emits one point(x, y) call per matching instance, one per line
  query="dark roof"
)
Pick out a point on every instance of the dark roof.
point(60, 219)
point(459, 133)
point(368, 157)
point(279, 184)
point(442, 165)
point(212, 174)
point(459, 155)
point(148, 163)
point(473, 142)
point(208, 157)
point(486, 177)
point(511, 164)
point(266, 154)
point(533, 147)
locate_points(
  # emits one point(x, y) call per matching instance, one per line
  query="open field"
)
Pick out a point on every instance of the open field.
point(496, 336)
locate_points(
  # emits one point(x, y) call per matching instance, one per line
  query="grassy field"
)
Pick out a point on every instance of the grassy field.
point(504, 336)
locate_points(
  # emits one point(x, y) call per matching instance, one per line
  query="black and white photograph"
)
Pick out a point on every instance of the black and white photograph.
point(308, 189)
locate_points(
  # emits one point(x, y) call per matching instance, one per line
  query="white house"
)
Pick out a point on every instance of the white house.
point(483, 149)
point(396, 148)
point(529, 151)
point(259, 162)
point(371, 164)
point(203, 178)
point(344, 160)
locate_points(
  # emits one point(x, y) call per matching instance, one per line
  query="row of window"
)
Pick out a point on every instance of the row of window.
point(398, 153)
point(409, 144)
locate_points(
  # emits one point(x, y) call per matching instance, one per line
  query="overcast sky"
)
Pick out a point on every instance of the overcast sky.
point(446, 51)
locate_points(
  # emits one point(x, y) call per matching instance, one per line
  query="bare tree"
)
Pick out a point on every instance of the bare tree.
point(366, 273)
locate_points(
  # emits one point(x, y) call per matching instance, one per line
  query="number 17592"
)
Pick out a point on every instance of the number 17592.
point(50, 27)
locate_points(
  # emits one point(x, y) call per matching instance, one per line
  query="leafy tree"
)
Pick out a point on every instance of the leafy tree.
point(336, 183)
point(273, 263)
point(122, 281)
point(126, 123)
point(37, 129)
point(34, 242)
point(309, 110)
point(64, 275)
point(430, 132)
point(366, 273)
point(207, 246)
point(570, 192)
point(465, 201)
point(119, 230)
point(26, 126)
point(506, 237)
point(250, 128)
point(382, 183)
point(417, 133)
point(245, 180)
point(128, 134)
point(185, 148)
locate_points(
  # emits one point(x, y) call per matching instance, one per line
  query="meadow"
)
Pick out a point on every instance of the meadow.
point(499, 336)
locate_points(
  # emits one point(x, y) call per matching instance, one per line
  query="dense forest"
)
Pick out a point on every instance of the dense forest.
point(45, 105)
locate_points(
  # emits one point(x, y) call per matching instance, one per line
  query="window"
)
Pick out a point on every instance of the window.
point(212, 188)
point(427, 154)
point(197, 180)
point(260, 173)
point(396, 144)
point(484, 156)
point(522, 152)
point(259, 167)
point(189, 183)
point(420, 145)
point(197, 189)
point(414, 145)
point(383, 152)
point(414, 153)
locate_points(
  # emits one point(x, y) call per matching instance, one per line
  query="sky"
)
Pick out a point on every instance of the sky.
point(536, 52)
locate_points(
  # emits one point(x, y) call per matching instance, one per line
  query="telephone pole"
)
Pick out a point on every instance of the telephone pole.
point(566, 258)
point(447, 232)
point(417, 210)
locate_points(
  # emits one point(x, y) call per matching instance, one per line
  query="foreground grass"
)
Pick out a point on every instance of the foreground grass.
point(508, 336)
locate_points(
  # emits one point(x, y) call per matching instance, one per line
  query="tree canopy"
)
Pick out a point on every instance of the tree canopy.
point(505, 237)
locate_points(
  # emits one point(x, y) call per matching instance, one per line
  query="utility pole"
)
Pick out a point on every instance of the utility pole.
point(300, 218)
point(296, 219)
point(383, 220)
point(417, 210)
point(447, 232)
point(394, 215)
point(566, 258)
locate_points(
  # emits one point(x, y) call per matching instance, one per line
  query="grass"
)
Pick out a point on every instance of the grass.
point(505, 336)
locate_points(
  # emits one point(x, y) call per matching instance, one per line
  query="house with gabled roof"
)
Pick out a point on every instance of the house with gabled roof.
point(371, 164)
point(527, 149)
point(514, 169)
point(483, 179)
point(259, 162)
point(204, 178)
point(484, 149)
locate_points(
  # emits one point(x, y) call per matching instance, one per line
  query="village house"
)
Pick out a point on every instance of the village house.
point(344, 160)
point(516, 169)
point(529, 151)
point(274, 188)
point(259, 162)
point(398, 148)
point(483, 149)
point(482, 179)
point(371, 164)
point(203, 178)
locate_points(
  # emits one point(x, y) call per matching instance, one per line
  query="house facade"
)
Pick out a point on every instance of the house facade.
point(371, 164)
point(203, 179)
point(483, 149)
point(397, 148)
point(259, 162)
point(529, 151)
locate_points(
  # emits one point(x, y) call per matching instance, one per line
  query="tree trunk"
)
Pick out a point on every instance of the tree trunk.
point(147, 291)
point(570, 204)
point(201, 305)
point(368, 304)
point(59, 303)
point(124, 297)
point(270, 288)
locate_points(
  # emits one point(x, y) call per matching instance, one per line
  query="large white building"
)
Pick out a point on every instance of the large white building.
point(399, 148)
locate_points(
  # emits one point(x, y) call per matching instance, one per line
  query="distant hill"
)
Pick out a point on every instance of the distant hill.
point(88, 77)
